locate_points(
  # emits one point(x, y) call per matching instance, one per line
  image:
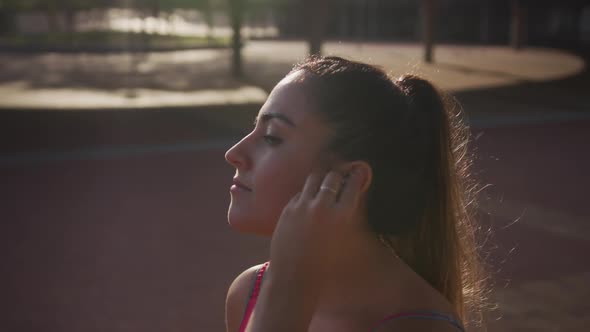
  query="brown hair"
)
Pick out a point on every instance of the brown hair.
point(416, 143)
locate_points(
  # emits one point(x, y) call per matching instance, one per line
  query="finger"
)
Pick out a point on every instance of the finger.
point(312, 185)
point(350, 193)
point(295, 198)
point(330, 188)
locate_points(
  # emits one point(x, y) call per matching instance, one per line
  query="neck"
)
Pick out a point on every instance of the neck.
point(366, 268)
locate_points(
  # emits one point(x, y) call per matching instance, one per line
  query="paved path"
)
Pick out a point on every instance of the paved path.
point(49, 81)
point(201, 77)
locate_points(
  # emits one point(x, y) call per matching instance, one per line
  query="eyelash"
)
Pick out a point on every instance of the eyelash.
point(272, 140)
point(269, 139)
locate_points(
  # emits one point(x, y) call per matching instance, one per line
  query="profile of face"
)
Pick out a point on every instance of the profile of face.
point(273, 161)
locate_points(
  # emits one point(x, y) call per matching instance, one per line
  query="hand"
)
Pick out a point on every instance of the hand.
point(313, 225)
point(304, 246)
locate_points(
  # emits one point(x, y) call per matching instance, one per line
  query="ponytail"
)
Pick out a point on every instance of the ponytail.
point(450, 263)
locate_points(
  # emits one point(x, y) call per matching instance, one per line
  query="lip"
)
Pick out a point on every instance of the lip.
point(237, 185)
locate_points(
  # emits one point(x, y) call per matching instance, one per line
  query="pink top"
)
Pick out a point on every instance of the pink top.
point(403, 315)
point(253, 297)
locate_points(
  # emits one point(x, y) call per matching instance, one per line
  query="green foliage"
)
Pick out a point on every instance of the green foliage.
point(24, 5)
point(165, 5)
point(16, 5)
point(110, 39)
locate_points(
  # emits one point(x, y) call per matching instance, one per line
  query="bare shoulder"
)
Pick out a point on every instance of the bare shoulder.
point(237, 297)
point(418, 325)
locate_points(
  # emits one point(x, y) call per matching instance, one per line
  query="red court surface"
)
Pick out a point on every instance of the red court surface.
point(141, 243)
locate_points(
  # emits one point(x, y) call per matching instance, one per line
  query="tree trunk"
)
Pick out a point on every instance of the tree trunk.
point(359, 20)
point(343, 21)
point(518, 24)
point(427, 29)
point(155, 10)
point(236, 16)
point(372, 20)
point(7, 21)
point(70, 17)
point(317, 11)
point(52, 19)
point(484, 27)
point(209, 21)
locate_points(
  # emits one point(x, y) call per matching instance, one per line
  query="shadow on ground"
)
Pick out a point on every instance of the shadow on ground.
point(177, 71)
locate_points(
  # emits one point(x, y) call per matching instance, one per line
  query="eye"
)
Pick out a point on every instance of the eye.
point(272, 140)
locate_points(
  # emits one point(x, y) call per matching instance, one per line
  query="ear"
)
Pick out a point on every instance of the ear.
point(362, 169)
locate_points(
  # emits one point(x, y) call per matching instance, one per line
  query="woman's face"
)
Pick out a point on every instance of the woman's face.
point(273, 161)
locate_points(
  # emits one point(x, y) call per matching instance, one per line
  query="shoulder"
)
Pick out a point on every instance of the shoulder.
point(243, 282)
point(417, 325)
point(237, 297)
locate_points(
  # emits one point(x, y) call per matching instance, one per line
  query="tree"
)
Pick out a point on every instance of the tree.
point(51, 8)
point(236, 12)
point(517, 24)
point(8, 10)
point(316, 11)
point(71, 8)
point(427, 29)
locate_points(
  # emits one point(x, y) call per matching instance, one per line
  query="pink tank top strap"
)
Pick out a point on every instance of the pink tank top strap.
point(253, 297)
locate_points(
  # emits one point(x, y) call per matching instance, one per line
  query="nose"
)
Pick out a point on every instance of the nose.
point(236, 155)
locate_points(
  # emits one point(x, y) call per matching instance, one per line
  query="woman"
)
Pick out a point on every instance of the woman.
point(361, 182)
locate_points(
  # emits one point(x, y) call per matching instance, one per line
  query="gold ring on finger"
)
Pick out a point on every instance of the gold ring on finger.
point(329, 189)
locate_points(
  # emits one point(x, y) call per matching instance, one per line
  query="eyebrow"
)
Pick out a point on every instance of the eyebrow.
point(265, 117)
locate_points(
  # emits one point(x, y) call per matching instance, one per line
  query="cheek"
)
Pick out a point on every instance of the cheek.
point(277, 185)
point(275, 182)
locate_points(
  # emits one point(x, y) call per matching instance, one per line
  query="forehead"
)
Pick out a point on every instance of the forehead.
point(290, 98)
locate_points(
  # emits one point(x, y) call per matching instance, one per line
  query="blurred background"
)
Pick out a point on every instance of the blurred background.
point(115, 116)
